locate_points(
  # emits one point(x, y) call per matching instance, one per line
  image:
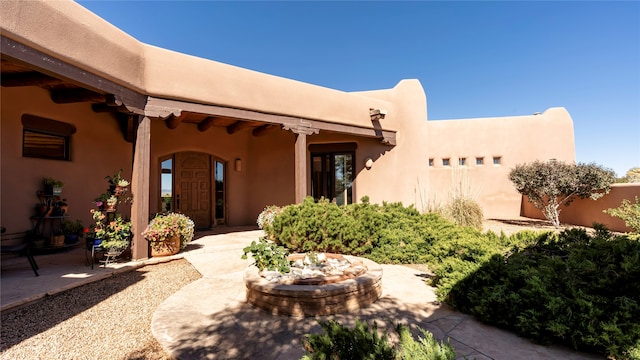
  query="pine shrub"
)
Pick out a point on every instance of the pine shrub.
point(341, 342)
point(363, 342)
point(571, 288)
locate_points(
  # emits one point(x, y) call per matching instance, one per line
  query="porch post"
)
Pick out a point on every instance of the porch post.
point(300, 159)
point(140, 188)
point(300, 167)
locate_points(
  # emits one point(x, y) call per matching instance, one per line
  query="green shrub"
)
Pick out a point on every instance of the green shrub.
point(463, 211)
point(321, 226)
point(363, 342)
point(341, 342)
point(629, 213)
point(425, 348)
point(570, 288)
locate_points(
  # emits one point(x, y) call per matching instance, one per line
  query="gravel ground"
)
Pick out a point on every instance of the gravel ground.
point(108, 319)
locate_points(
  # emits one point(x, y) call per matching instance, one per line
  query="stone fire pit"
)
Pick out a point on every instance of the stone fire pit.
point(348, 284)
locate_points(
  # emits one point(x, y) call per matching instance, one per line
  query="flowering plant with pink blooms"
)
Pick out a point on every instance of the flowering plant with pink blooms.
point(165, 226)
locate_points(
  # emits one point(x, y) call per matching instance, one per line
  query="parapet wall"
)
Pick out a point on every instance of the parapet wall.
point(585, 212)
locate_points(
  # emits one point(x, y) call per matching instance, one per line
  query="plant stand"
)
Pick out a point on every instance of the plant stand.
point(110, 256)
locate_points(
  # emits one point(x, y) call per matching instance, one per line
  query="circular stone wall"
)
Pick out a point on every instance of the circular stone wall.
point(315, 300)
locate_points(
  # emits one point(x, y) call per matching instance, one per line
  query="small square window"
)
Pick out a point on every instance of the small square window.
point(497, 160)
point(445, 162)
point(462, 161)
point(431, 162)
point(479, 161)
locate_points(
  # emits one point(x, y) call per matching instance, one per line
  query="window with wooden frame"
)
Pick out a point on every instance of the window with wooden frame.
point(45, 138)
point(333, 171)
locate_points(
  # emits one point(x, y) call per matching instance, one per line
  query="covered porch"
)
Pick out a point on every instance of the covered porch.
point(251, 158)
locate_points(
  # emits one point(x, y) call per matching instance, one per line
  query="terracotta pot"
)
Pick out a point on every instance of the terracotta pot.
point(119, 190)
point(165, 248)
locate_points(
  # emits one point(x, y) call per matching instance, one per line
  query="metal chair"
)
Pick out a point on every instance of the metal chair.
point(22, 247)
point(93, 248)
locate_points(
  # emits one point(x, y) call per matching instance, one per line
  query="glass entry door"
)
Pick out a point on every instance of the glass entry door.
point(332, 177)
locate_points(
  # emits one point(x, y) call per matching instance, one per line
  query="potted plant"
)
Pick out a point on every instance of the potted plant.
point(115, 234)
point(117, 184)
point(52, 186)
point(111, 204)
point(72, 230)
point(168, 233)
point(59, 208)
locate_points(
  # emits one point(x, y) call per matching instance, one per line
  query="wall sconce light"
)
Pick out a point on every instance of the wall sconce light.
point(368, 163)
point(377, 114)
point(238, 165)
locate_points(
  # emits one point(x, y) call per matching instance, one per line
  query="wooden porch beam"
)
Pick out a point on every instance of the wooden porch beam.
point(104, 107)
point(49, 65)
point(173, 121)
point(259, 131)
point(31, 78)
point(205, 124)
point(387, 137)
point(237, 126)
point(76, 95)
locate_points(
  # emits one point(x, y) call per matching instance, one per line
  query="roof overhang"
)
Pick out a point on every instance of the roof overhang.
point(25, 66)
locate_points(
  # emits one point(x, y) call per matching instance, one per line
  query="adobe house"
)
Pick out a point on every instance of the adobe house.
point(81, 99)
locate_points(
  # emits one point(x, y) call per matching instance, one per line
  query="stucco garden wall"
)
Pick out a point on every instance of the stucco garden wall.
point(514, 140)
point(98, 149)
point(584, 212)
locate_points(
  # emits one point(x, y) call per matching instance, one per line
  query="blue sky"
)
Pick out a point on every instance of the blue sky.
point(474, 59)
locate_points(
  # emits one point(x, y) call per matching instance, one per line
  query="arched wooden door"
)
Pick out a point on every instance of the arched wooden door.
point(192, 179)
point(186, 187)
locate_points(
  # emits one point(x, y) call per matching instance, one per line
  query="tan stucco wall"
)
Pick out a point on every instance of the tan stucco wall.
point(585, 212)
point(77, 36)
point(97, 150)
point(174, 75)
point(399, 173)
point(516, 139)
point(266, 176)
point(68, 31)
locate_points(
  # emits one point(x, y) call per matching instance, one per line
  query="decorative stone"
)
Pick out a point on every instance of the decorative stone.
point(358, 287)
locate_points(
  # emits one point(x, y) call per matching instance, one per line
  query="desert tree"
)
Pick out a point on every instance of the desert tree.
point(549, 185)
point(632, 175)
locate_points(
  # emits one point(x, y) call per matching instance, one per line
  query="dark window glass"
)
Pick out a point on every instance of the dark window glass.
point(219, 195)
point(332, 172)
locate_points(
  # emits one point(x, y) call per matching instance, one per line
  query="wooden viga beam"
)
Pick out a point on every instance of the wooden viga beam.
point(261, 130)
point(205, 124)
point(77, 95)
point(237, 126)
point(30, 78)
point(174, 120)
